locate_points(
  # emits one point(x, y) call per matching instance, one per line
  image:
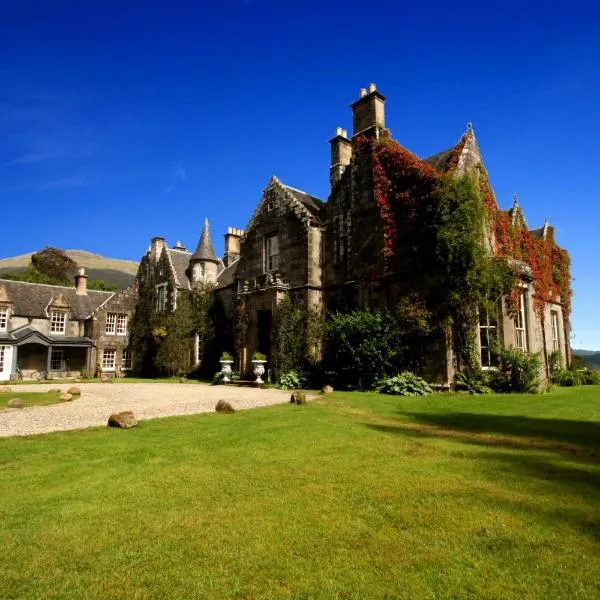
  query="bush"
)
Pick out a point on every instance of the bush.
point(590, 377)
point(405, 384)
point(522, 369)
point(473, 380)
point(292, 380)
point(566, 378)
point(360, 348)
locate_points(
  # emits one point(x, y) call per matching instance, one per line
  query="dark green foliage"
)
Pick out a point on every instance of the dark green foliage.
point(554, 361)
point(405, 384)
point(32, 275)
point(54, 263)
point(473, 380)
point(297, 337)
point(104, 286)
point(567, 378)
point(521, 369)
point(360, 348)
point(590, 377)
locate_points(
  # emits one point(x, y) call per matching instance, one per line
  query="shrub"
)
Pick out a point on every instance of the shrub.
point(522, 369)
point(405, 384)
point(554, 361)
point(360, 348)
point(472, 380)
point(259, 356)
point(292, 380)
point(567, 378)
point(590, 377)
point(226, 356)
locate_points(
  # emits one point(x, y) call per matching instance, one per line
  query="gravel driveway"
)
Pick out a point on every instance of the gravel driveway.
point(146, 400)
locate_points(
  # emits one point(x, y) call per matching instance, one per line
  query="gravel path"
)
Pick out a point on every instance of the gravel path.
point(147, 401)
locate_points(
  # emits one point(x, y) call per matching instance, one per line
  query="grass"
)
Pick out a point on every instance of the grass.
point(353, 496)
point(30, 398)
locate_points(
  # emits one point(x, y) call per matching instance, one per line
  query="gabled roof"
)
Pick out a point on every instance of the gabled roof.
point(461, 158)
point(227, 275)
point(180, 261)
point(312, 203)
point(33, 299)
point(440, 160)
point(204, 250)
point(30, 335)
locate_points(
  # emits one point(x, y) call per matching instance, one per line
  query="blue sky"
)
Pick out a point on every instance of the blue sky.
point(124, 120)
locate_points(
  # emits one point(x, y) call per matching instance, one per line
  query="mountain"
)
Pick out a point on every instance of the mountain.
point(591, 358)
point(112, 270)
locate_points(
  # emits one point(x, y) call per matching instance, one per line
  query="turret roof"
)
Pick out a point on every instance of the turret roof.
point(204, 250)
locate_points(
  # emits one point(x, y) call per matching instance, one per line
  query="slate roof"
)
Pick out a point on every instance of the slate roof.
point(22, 334)
point(440, 160)
point(180, 261)
point(32, 299)
point(226, 276)
point(204, 250)
point(312, 203)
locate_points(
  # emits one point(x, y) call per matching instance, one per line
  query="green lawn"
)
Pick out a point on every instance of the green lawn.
point(353, 496)
point(30, 398)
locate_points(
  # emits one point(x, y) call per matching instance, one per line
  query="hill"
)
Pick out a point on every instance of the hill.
point(112, 270)
point(591, 358)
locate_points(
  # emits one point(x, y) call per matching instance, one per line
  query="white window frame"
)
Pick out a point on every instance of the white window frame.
point(58, 322)
point(126, 359)
point(3, 318)
point(3, 354)
point(555, 329)
point(109, 360)
point(57, 356)
point(161, 297)
point(489, 329)
point(122, 324)
point(111, 323)
point(521, 323)
point(272, 253)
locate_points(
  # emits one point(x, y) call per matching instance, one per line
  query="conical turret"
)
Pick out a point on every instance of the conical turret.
point(204, 262)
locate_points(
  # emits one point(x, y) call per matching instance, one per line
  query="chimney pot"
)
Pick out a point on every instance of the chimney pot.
point(81, 282)
point(372, 88)
point(362, 93)
point(339, 131)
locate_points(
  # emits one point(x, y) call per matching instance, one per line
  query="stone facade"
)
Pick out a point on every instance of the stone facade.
point(330, 255)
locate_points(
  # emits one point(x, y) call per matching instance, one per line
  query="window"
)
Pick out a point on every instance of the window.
point(126, 360)
point(56, 360)
point(122, 325)
point(3, 318)
point(108, 360)
point(521, 324)
point(161, 297)
point(488, 336)
point(58, 321)
point(555, 338)
point(2, 357)
point(272, 253)
point(111, 319)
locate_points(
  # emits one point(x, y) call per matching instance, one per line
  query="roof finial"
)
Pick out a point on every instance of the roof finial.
point(515, 200)
point(469, 127)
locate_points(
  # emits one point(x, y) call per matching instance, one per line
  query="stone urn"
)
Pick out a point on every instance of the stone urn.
point(259, 370)
point(226, 370)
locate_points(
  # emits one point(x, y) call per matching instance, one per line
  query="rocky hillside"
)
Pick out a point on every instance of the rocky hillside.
point(112, 270)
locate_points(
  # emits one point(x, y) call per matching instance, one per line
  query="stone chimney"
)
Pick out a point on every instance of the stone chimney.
point(368, 112)
point(180, 247)
point(156, 246)
point(341, 153)
point(232, 245)
point(81, 283)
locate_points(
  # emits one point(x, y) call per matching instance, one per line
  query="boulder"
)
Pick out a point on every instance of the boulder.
point(122, 420)
point(16, 403)
point(104, 378)
point(77, 380)
point(74, 391)
point(224, 407)
point(5, 388)
point(298, 398)
point(183, 379)
point(327, 389)
point(54, 391)
point(66, 397)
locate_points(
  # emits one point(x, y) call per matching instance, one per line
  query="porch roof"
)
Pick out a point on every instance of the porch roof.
point(31, 335)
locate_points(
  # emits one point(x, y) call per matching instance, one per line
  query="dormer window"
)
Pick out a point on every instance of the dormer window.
point(272, 253)
point(58, 321)
point(3, 318)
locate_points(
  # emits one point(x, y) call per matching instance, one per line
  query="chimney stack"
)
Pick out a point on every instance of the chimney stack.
point(232, 245)
point(156, 246)
point(81, 283)
point(341, 154)
point(180, 247)
point(368, 112)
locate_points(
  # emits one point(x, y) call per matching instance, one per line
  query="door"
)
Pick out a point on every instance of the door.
point(265, 320)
